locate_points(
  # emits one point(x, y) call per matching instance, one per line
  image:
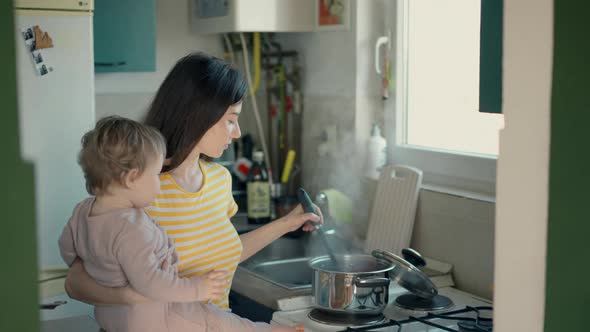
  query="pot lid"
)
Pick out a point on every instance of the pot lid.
point(408, 276)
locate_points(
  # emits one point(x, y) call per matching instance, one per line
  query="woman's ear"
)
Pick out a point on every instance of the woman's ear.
point(130, 177)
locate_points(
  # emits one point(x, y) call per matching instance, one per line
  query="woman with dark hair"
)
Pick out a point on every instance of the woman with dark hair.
point(196, 109)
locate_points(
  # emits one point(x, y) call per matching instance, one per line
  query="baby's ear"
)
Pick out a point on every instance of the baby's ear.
point(128, 178)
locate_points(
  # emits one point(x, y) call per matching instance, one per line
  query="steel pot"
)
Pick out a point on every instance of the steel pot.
point(355, 284)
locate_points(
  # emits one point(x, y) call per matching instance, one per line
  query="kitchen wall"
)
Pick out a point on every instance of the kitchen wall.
point(342, 90)
point(128, 94)
point(341, 96)
point(459, 231)
point(329, 64)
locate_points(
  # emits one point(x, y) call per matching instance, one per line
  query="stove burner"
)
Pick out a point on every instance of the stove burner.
point(344, 319)
point(481, 325)
point(414, 302)
point(468, 319)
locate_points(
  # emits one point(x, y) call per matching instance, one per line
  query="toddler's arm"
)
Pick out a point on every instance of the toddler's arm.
point(67, 248)
point(135, 252)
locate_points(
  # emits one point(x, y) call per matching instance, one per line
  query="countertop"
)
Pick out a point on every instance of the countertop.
point(72, 316)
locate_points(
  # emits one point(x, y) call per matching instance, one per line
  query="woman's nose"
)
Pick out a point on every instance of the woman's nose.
point(236, 133)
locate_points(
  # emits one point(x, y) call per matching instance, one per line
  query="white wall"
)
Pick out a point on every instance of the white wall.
point(329, 70)
point(341, 91)
point(459, 231)
point(371, 24)
point(523, 167)
point(129, 94)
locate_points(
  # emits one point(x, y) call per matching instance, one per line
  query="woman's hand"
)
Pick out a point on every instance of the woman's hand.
point(298, 217)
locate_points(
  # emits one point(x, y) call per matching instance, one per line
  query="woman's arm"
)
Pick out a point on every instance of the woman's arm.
point(80, 286)
point(255, 240)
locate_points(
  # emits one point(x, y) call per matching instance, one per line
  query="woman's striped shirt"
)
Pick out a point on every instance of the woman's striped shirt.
point(199, 223)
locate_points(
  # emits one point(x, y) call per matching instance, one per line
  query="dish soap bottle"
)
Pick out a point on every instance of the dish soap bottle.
point(258, 189)
point(376, 153)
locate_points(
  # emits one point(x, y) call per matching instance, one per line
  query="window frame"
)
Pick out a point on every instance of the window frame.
point(454, 172)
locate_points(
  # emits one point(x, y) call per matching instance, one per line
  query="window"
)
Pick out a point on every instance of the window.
point(438, 126)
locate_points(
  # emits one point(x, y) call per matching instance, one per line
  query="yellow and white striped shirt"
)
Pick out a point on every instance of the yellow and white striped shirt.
point(199, 224)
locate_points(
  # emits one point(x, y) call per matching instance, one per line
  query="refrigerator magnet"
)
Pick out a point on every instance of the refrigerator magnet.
point(42, 39)
point(36, 40)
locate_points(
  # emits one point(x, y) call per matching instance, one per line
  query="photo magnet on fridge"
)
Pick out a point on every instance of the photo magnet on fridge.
point(35, 40)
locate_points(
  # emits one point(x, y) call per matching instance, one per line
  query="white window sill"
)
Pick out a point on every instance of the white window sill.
point(483, 197)
point(469, 176)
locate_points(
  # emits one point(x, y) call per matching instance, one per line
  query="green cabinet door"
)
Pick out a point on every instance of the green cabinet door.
point(490, 57)
point(124, 36)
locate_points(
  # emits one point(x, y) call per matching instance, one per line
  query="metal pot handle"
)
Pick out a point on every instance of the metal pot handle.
point(371, 282)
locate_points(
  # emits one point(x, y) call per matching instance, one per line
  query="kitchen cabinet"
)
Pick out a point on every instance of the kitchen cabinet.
point(490, 61)
point(248, 308)
point(124, 36)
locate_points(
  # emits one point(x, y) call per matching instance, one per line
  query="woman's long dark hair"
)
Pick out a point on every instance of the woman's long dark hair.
point(194, 96)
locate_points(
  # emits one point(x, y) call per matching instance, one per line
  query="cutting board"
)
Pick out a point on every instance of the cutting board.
point(394, 209)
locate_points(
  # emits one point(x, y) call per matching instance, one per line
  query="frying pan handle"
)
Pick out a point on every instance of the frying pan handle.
point(371, 282)
point(305, 201)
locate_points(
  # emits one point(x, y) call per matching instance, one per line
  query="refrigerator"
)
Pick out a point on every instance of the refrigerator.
point(55, 81)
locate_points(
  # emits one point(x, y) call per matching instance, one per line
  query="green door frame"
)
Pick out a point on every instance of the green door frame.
point(567, 297)
point(18, 247)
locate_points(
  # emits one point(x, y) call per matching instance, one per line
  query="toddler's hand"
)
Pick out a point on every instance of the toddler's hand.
point(211, 285)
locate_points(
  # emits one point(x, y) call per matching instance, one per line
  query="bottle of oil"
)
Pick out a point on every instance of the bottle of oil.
point(258, 189)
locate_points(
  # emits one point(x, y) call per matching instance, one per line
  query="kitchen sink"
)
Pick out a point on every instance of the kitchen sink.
point(285, 261)
point(292, 273)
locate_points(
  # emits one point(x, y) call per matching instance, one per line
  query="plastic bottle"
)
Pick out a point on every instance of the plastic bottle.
point(376, 153)
point(258, 189)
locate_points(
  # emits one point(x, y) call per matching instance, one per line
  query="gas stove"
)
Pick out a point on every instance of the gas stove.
point(466, 313)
